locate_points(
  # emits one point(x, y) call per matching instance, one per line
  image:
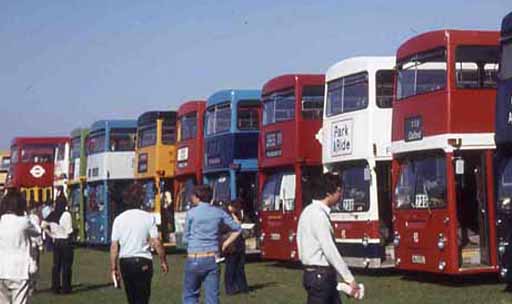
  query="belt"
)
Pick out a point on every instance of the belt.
point(311, 268)
point(202, 254)
point(134, 259)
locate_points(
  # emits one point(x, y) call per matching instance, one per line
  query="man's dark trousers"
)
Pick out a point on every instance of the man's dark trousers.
point(137, 274)
point(320, 284)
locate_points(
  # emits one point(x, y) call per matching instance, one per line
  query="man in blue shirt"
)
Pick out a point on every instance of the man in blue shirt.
point(202, 237)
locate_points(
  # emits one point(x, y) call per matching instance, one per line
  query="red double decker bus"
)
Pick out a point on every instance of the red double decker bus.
point(189, 160)
point(289, 157)
point(442, 146)
point(32, 167)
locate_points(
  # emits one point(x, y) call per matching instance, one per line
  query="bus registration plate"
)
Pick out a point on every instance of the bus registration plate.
point(418, 259)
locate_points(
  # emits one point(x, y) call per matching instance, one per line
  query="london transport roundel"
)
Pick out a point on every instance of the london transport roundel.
point(37, 171)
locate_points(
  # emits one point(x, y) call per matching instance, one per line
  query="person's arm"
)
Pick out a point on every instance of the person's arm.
point(322, 231)
point(157, 245)
point(236, 229)
point(186, 229)
point(114, 256)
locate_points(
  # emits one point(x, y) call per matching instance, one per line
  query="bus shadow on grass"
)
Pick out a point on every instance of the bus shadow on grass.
point(453, 281)
point(80, 288)
point(373, 272)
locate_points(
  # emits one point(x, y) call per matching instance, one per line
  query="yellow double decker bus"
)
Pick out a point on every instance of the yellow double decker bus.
point(155, 164)
point(4, 169)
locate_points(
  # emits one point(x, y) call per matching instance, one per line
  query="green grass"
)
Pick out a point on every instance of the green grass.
point(271, 283)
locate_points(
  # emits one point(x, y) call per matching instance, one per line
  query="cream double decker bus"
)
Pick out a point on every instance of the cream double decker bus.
point(356, 139)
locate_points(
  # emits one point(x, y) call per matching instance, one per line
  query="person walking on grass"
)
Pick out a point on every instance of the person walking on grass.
point(201, 234)
point(16, 264)
point(58, 225)
point(134, 232)
point(234, 276)
point(317, 250)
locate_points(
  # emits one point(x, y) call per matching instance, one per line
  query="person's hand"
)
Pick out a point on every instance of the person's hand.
point(224, 246)
point(165, 267)
point(44, 225)
point(355, 289)
point(116, 278)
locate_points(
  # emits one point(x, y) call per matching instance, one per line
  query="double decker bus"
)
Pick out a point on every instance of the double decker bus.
point(77, 180)
point(289, 158)
point(4, 169)
point(443, 146)
point(61, 170)
point(110, 148)
point(503, 162)
point(31, 167)
point(189, 161)
point(356, 137)
point(230, 161)
point(156, 159)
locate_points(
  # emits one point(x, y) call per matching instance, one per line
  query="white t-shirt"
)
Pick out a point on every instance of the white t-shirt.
point(15, 260)
point(132, 229)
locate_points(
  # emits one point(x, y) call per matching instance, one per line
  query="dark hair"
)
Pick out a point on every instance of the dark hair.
point(13, 202)
point(203, 193)
point(325, 184)
point(60, 206)
point(133, 196)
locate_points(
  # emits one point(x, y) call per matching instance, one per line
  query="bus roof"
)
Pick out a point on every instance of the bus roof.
point(40, 140)
point(118, 124)
point(191, 106)
point(440, 38)
point(79, 132)
point(291, 80)
point(152, 116)
point(506, 26)
point(233, 96)
point(358, 64)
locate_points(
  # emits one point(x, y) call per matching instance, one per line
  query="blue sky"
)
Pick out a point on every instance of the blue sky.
point(67, 63)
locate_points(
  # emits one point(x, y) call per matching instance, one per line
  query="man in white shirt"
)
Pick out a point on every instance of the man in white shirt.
point(134, 232)
point(317, 250)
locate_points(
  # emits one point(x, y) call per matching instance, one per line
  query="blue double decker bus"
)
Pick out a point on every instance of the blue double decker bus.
point(230, 162)
point(503, 160)
point(110, 149)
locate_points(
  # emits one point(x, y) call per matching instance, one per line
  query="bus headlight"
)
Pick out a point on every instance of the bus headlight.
point(397, 261)
point(291, 237)
point(365, 241)
point(505, 204)
point(262, 236)
point(293, 254)
point(396, 239)
point(503, 272)
point(441, 242)
point(502, 247)
point(441, 266)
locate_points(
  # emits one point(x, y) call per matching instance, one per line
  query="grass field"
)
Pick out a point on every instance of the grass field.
point(270, 282)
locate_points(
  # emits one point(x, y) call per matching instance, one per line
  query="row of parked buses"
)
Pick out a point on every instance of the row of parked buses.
point(421, 141)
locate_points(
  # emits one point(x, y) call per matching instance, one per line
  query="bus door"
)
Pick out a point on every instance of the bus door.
point(383, 172)
point(246, 191)
point(280, 219)
point(472, 210)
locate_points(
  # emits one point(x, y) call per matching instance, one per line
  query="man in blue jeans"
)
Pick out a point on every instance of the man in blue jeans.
point(202, 237)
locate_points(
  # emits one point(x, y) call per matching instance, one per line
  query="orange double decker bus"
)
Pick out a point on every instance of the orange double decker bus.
point(155, 158)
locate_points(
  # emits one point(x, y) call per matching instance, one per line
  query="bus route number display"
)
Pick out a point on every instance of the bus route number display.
point(413, 128)
point(341, 137)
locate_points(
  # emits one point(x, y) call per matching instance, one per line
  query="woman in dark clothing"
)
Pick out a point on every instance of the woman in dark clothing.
point(59, 226)
point(234, 276)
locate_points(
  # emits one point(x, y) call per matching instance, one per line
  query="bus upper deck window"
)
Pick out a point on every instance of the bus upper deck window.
point(312, 102)
point(506, 60)
point(347, 94)
point(279, 106)
point(384, 88)
point(122, 141)
point(188, 126)
point(168, 133)
point(476, 66)
point(421, 73)
point(147, 136)
point(248, 117)
point(14, 155)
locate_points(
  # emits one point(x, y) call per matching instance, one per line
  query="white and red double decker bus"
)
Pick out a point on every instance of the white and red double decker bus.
point(356, 141)
point(443, 146)
point(32, 167)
